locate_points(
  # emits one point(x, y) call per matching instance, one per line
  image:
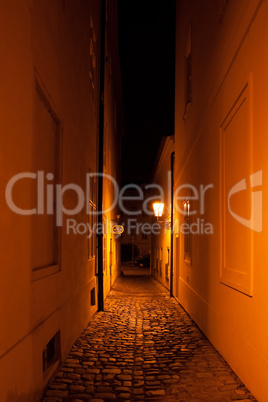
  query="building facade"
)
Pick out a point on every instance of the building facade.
point(220, 188)
point(50, 71)
point(113, 131)
point(161, 239)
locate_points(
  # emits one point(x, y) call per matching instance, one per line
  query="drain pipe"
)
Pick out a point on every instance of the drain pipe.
point(100, 178)
point(172, 158)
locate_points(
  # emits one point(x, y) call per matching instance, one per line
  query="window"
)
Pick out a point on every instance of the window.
point(160, 261)
point(187, 232)
point(188, 64)
point(104, 244)
point(93, 297)
point(92, 65)
point(52, 353)
point(111, 255)
point(167, 266)
point(92, 217)
point(188, 75)
point(46, 163)
point(241, 194)
point(157, 259)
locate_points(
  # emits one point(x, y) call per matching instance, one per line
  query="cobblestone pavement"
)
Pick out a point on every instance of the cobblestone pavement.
point(144, 347)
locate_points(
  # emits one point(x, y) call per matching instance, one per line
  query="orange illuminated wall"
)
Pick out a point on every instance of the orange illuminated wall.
point(161, 246)
point(221, 142)
point(49, 128)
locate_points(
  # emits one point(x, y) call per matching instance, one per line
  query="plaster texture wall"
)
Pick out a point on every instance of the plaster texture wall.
point(221, 141)
point(49, 122)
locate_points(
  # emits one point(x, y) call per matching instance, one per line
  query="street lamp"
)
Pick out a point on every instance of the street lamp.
point(158, 212)
point(158, 209)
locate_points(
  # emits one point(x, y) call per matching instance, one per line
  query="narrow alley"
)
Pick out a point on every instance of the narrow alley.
point(134, 167)
point(144, 347)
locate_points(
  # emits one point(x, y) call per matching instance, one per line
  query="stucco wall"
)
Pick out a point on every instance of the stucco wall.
point(161, 243)
point(220, 141)
point(46, 45)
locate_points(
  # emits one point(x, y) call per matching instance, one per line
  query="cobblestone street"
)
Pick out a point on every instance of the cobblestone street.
point(144, 347)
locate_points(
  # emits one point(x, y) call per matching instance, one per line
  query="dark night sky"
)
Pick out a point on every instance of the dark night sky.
point(146, 43)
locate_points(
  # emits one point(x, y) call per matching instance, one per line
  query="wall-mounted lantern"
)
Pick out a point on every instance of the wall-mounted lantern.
point(158, 212)
point(158, 209)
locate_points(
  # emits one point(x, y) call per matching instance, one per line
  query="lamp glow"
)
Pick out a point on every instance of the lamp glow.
point(158, 208)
